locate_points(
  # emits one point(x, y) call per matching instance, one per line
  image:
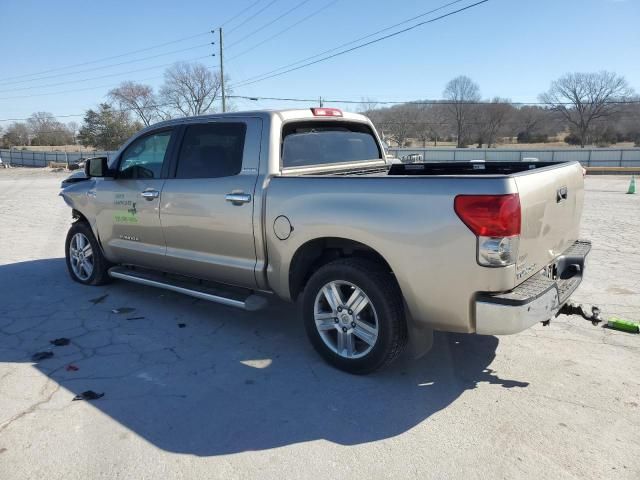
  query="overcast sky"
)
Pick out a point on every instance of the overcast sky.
point(512, 48)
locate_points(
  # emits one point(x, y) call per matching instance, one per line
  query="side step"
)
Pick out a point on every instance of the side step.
point(230, 296)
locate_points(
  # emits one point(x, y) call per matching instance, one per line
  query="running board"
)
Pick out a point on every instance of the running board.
point(233, 297)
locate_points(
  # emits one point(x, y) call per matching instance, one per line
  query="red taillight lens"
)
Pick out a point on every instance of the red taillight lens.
point(490, 215)
point(327, 112)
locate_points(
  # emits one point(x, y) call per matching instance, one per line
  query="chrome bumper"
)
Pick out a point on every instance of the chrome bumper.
point(535, 300)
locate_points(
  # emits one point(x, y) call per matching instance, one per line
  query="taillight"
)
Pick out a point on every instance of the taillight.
point(327, 112)
point(496, 221)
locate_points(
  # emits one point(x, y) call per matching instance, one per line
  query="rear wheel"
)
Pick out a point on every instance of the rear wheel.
point(353, 315)
point(85, 261)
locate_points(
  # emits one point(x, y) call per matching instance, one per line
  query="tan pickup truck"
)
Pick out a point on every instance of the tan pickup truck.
point(236, 207)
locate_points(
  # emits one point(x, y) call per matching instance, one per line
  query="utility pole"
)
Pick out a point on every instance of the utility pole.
point(320, 101)
point(224, 99)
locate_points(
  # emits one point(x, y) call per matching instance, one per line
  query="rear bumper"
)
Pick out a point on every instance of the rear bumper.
point(535, 300)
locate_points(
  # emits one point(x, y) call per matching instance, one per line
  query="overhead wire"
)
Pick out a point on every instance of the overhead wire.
point(284, 30)
point(386, 29)
point(251, 17)
point(108, 66)
point(101, 76)
point(112, 57)
point(268, 24)
point(385, 37)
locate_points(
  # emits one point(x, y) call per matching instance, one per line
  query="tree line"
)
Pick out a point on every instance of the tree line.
point(593, 108)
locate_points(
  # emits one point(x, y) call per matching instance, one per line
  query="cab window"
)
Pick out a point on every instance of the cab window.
point(144, 157)
point(211, 150)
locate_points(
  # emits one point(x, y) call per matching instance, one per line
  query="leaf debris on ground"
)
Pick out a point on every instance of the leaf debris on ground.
point(88, 395)
point(100, 299)
point(36, 357)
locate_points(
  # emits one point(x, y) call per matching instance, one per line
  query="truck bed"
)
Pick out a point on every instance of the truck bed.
point(468, 168)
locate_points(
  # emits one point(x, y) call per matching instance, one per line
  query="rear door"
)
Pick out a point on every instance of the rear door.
point(208, 202)
point(551, 201)
point(128, 217)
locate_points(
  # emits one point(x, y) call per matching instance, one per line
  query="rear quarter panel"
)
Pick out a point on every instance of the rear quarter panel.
point(409, 221)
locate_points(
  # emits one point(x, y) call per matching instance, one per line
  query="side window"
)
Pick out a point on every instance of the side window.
point(144, 157)
point(211, 150)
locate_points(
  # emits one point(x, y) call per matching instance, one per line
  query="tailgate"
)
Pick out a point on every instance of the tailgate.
point(551, 201)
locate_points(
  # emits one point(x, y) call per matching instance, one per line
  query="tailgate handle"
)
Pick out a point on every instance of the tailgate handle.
point(561, 194)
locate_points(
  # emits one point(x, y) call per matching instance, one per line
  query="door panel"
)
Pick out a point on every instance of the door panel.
point(128, 218)
point(207, 234)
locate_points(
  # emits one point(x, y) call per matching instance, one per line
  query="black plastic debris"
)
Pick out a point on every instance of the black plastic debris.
point(182, 325)
point(123, 310)
point(36, 357)
point(88, 395)
point(135, 318)
point(60, 342)
point(98, 300)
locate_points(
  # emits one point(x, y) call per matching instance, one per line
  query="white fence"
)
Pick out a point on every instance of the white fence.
point(596, 157)
point(30, 158)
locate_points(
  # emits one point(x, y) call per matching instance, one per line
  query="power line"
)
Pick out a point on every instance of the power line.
point(208, 32)
point(364, 44)
point(75, 90)
point(253, 16)
point(283, 30)
point(259, 29)
point(101, 76)
point(108, 66)
point(354, 41)
point(241, 12)
point(418, 102)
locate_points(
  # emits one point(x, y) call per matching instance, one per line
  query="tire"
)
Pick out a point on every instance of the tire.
point(344, 334)
point(98, 274)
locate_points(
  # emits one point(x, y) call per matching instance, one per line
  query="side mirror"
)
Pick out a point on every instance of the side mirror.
point(97, 167)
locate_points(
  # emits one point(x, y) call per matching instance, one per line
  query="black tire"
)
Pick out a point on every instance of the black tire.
point(385, 296)
point(101, 265)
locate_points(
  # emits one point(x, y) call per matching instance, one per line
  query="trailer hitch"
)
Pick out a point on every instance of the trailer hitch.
point(571, 308)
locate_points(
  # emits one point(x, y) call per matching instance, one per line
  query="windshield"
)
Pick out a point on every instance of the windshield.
point(319, 143)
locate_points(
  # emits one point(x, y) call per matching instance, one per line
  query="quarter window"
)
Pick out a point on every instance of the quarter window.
point(211, 150)
point(144, 157)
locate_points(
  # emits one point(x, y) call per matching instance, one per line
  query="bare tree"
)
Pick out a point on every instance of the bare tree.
point(460, 95)
point(583, 98)
point(17, 134)
point(47, 130)
point(367, 105)
point(137, 98)
point(492, 118)
point(190, 88)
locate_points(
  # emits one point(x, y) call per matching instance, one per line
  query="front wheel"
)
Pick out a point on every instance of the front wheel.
point(85, 261)
point(353, 315)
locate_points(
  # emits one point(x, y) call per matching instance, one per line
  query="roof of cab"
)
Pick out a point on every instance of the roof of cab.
point(284, 114)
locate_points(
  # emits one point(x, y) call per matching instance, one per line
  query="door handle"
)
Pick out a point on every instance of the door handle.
point(150, 194)
point(237, 198)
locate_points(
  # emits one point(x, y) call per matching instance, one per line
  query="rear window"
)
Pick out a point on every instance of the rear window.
point(322, 143)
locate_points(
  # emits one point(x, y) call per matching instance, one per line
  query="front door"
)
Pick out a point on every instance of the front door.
point(128, 219)
point(208, 202)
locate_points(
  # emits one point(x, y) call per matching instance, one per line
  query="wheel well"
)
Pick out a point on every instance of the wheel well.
point(79, 217)
point(316, 253)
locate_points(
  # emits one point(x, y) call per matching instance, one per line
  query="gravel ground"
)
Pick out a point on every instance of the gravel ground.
point(240, 395)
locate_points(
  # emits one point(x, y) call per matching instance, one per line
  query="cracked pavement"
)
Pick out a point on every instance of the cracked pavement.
point(243, 395)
